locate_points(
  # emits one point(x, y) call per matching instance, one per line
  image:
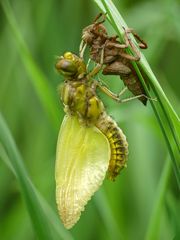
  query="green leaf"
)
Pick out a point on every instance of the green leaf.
point(37, 77)
point(46, 223)
point(155, 217)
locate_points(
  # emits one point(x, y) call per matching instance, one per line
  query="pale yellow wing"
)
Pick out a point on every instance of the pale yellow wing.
point(82, 159)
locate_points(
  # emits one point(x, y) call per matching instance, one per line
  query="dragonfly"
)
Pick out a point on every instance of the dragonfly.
point(90, 144)
point(111, 54)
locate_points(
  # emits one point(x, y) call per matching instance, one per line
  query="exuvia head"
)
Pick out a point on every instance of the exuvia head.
point(88, 35)
point(95, 30)
point(71, 66)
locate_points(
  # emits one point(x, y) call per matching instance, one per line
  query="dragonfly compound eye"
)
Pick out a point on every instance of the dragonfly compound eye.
point(66, 67)
point(71, 66)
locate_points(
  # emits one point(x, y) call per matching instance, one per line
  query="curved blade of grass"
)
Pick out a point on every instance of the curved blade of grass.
point(110, 223)
point(154, 222)
point(37, 77)
point(168, 118)
point(45, 222)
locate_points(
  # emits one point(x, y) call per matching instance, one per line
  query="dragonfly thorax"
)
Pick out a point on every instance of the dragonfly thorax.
point(80, 99)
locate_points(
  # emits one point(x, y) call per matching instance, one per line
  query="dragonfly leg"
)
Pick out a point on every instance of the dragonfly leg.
point(135, 97)
point(142, 44)
point(125, 45)
point(95, 71)
point(122, 91)
point(82, 48)
point(87, 65)
point(116, 97)
point(107, 91)
point(103, 15)
point(98, 66)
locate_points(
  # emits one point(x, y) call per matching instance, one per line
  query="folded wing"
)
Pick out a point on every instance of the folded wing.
point(82, 159)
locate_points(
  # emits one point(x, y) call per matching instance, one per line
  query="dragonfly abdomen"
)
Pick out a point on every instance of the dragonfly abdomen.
point(118, 145)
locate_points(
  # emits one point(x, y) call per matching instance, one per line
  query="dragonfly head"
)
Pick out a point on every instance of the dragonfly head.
point(71, 66)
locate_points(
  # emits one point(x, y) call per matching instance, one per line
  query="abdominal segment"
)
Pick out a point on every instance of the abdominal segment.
point(118, 145)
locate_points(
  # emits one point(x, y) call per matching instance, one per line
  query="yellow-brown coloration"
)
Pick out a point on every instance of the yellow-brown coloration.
point(80, 99)
point(90, 143)
point(118, 145)
point(82, 160)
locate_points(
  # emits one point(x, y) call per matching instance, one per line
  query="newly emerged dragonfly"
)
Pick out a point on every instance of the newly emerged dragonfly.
point(108, 51)
point(90, 144)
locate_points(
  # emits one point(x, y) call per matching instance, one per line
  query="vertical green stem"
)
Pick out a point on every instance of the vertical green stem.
point(110, 223)
point(153, 226)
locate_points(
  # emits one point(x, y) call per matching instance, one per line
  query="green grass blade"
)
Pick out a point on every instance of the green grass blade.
point(37, 77)
point(154, 222)
point(45, 222)
point(168, 119)
point(107, 217)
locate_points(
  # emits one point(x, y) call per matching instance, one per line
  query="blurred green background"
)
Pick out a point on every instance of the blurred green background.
point(44, 30)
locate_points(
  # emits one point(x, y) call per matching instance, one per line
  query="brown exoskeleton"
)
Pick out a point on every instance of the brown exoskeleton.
point(110, 52)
